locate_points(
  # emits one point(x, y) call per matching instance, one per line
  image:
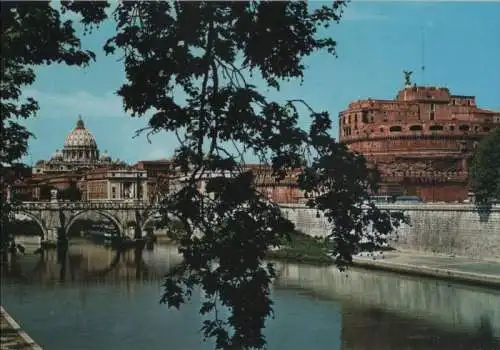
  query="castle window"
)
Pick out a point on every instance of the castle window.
point(381, 129)
point(365, 117)
point(416, 128)
point(436, 128)
point(431, 115)
point(395, 128)
point(464, 127)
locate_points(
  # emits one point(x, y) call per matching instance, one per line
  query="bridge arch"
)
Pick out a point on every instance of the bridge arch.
point(104, 213)
point(37, 220)
point(148, 219)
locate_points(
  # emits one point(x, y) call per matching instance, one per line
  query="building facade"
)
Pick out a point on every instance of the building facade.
point(79, 153)
point(422, 141)
point(114, 185)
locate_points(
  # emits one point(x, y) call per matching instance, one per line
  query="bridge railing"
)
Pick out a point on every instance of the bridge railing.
point(85, 205)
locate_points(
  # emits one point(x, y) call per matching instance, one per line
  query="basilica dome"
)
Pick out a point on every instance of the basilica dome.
point(80, 137)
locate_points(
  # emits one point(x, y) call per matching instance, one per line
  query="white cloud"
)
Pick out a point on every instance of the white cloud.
point(81, 102)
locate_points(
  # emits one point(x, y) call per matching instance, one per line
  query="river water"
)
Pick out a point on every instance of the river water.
point(94, 299)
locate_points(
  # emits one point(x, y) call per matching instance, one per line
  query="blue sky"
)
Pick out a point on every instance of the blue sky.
point(376, 42)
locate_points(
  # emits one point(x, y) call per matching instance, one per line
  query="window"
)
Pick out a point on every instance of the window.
point(365, 117)
point(486, 129)
point(416, 128)
point(395, 128)
point(381, 129)
point(464, 127)
point(431, 115)
point(452, 127)
point(435, 128)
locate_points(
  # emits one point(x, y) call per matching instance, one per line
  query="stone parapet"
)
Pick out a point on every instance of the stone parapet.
point(12, 336)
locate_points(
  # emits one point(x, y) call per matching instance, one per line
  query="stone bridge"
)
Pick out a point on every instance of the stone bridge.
point(460, 229)
point(56, 215)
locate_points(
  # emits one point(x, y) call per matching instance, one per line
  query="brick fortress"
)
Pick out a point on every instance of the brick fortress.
point(422, 142)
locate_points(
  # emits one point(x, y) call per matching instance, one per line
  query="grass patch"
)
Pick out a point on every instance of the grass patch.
point(300, 249)
point(303, 249)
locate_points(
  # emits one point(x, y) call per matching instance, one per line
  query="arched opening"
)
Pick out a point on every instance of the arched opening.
point(93, 224)
point(464, 127)
point(395, 128)
point(150, 221)
point(486, 129)
point(28, 226)
point(416, 128)
point(436, 128)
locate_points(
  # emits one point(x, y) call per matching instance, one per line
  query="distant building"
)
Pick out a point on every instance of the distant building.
point(422, 142)
point(154, 168)
point(80, 153)
point(114, 185)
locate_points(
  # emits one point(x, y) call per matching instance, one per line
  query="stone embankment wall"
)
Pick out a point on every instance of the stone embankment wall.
point(460, 229)
point(463, 308)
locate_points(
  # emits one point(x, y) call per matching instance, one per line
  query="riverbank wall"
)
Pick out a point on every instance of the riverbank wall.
point(453, 229)
point(12, 336)
point(470, 308)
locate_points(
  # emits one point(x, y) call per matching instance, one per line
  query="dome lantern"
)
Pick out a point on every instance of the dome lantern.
point(79, 123)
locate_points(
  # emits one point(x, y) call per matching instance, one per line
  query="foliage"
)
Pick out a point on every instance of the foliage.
point(9, 173)
point(304, 249)
point(207, 51)
point(45, 192)
point(33, 34)
point(485, 169)
point(213, 53)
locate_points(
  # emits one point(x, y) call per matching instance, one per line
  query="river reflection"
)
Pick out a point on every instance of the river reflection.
point(95, 298)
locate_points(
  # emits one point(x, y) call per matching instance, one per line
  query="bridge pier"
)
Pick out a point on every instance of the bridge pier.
point(51, 235)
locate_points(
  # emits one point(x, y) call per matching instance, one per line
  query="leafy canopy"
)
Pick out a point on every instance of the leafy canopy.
point(485, 169)
point(32, 35)
point(210, 51)
point(196, 65)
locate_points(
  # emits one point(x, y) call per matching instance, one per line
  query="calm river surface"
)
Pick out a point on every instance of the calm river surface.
point(94, 300)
